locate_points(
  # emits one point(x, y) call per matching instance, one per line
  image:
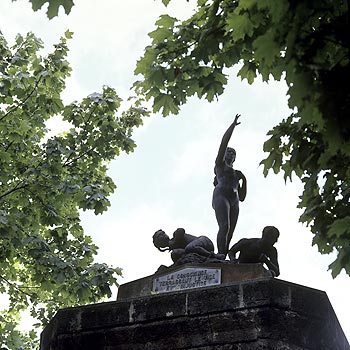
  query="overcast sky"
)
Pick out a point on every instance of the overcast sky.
point(167, 182)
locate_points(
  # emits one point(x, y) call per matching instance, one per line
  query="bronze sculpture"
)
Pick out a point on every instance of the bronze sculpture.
point(258, 250)
point(230, 188)
point(185, 247)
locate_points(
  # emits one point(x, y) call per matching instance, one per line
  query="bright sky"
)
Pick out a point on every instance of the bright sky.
point(167, 182)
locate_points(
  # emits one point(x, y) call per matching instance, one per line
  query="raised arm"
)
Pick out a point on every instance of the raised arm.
point(225, 140)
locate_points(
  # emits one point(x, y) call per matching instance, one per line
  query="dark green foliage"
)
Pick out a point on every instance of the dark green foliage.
point(304, 42)
point(53, 6)
point(46, 260)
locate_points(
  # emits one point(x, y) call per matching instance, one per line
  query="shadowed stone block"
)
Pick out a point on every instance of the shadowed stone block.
point(265, 313)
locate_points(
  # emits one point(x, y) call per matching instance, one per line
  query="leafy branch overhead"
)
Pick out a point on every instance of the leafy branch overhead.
point(46, 260)
point(53, 6)
point(304, 42)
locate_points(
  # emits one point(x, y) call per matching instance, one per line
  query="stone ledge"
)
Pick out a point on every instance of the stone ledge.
point(260, 313)
point(230, 273)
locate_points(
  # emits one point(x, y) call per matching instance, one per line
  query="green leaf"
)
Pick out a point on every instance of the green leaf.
point(68, 34)
point(336, 266)
point(156, 77)
point(247, 4)
point(266, 48)
point(146, 62)
point(3, 220)
point(248, 71)
point(37, 4)
point(53, 7)
point(166, 21)
point(160, 35)
point(340, 227)
point(271, 144)
point(166, 103)
point(83, 293)
point(277, 9)
point(61, 278)
point(240, 24)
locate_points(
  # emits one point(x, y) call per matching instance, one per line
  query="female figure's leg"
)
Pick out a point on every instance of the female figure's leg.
point(222, 212)
point(234, 211)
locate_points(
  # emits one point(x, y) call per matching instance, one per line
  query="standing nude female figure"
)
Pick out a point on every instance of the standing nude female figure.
point(230, 188)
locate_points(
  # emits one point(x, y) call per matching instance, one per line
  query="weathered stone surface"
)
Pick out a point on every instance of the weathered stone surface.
point(230, 273)
point(252, 315)
point(187, 278)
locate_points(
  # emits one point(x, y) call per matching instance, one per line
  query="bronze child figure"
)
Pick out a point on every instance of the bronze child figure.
point(183, 244)
point(255, 250)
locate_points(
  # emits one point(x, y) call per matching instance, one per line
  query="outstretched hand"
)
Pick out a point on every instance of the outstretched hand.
point(236, 122)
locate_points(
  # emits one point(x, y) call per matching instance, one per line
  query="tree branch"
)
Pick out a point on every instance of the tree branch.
point(16, 188)
point(17, 287)
point(23, 102)
point(77, 158)
point(19, 48)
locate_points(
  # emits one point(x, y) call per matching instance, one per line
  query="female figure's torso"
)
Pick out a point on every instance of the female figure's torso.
point(227, 183)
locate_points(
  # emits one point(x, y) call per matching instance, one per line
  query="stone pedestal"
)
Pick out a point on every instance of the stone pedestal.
point(262, 313)
point(229, 273)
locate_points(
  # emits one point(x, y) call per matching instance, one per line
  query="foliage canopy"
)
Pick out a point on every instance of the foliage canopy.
point(304, 42)
point(53, 6)
point(46, 260)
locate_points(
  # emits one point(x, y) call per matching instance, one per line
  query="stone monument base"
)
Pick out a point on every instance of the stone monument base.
point(264, 313)
point(229, 273)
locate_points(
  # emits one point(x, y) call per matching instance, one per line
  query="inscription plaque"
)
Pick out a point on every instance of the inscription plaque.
point(187, 278)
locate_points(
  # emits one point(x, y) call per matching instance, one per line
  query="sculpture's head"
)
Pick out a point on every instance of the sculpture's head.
point(270, 234)
point(161, 240)
point(230, 156)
